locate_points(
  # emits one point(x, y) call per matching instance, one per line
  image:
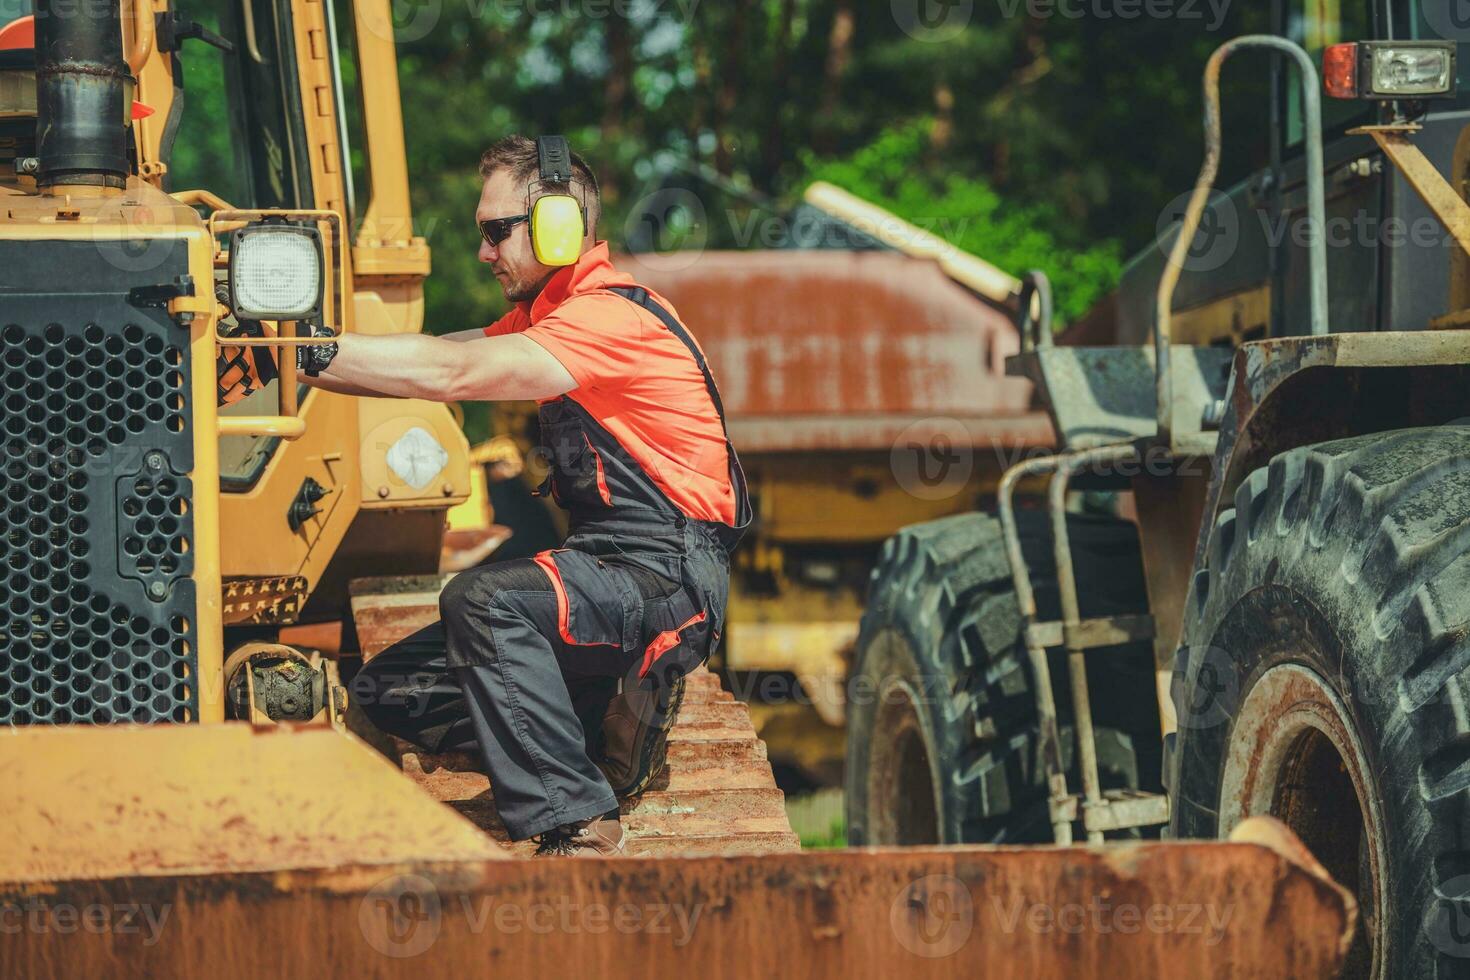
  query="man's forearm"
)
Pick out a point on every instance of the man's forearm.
point(466, 368)
point(327, 383)
point(394, 366)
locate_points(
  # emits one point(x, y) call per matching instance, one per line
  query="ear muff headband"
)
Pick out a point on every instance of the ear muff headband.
point(558, 221)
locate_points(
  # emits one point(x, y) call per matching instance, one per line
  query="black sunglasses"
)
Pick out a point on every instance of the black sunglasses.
point(497, 230)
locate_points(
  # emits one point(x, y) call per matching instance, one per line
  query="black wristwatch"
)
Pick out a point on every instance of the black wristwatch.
point(312, 359)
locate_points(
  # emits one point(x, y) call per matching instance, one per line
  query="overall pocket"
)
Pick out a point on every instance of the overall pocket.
point(596, 604)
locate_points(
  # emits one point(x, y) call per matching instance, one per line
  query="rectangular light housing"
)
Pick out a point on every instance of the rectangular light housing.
point(276, 272)
point(1386, 70)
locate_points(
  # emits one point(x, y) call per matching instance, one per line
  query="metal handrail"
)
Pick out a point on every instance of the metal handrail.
point(1317, 250)
point(1035, 291)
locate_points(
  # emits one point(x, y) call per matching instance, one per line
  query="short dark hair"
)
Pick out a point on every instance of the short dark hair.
point(517, 154)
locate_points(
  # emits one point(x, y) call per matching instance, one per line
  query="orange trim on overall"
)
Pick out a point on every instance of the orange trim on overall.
point(602, 489)
point(665, 642)
point(563, 610)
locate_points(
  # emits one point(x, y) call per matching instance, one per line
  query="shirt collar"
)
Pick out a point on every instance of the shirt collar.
point(593, 270)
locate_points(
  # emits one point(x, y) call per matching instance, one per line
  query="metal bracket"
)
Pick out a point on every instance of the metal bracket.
point(1449, 207)
point(162, 294)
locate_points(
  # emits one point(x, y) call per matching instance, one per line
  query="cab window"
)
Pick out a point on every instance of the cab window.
point(240, 133)
point(1316, 24)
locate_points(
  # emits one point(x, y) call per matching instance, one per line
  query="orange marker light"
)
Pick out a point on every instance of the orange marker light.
point(1340, 70)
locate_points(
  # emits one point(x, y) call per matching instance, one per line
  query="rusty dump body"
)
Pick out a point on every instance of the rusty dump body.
point(845, 350)
point(316, 852)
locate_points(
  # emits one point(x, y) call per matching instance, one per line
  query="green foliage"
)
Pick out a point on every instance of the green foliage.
point(893, 172)
point(818, 818)
point(1050, 142)
point(1032, 140)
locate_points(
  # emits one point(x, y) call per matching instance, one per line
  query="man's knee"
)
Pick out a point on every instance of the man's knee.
point(459, 597)
point(477, 592)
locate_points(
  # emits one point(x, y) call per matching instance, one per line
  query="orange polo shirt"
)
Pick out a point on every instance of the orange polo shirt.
point(635, 378)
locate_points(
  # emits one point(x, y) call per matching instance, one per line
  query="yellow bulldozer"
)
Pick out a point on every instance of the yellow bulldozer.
point(180, 781)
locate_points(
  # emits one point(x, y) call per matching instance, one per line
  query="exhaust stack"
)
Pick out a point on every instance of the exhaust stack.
point(81, 92)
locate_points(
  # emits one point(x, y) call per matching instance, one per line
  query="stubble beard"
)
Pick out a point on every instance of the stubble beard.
point(521, 291)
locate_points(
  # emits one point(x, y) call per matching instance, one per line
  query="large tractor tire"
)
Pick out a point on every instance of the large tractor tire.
point(1324, 681)
point(942, 734)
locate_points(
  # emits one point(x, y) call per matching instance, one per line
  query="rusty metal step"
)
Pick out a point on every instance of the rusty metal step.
point(718, 751)
point(763, 843)
point(716, 794)
point(700, 714)
point(638, 824)
point(705, 733)
point(456, 776)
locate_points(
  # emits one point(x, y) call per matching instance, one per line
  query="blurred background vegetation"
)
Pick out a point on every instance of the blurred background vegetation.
point(1048, 142)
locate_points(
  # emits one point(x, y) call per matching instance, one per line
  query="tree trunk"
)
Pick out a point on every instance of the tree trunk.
point(839, 52)
point(732, 69)
point(771, 152)
point(943, 131)
point(619, 39)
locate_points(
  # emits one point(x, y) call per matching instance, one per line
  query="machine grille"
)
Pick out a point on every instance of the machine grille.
point(98, 595)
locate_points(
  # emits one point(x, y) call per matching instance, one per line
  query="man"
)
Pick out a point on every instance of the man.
point(565, 669)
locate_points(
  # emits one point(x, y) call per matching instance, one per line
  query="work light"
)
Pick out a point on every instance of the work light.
point(1389, 70)
point(276, 272)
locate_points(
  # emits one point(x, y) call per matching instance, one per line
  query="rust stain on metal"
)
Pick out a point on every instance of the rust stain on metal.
point(1256, 907)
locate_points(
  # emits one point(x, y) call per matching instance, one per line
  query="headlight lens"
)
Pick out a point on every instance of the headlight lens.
point(276, 272)
point(1412, 70)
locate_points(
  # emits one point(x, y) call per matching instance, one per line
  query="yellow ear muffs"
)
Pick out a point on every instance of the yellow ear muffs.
point(557, 227)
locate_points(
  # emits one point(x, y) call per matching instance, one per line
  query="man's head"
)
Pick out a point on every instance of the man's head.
point(509, 167)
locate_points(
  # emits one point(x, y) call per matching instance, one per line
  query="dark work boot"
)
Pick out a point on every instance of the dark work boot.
point(599, 837)
point(635, 735)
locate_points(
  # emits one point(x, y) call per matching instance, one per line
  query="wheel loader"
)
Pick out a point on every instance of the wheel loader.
point(1278, 627)
point(187, 589)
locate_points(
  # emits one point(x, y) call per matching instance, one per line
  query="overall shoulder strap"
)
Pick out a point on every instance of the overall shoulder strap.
point(743, 513)
point(639, 296)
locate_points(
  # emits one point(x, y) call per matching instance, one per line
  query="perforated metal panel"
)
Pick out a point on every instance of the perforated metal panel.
point(97, 601)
